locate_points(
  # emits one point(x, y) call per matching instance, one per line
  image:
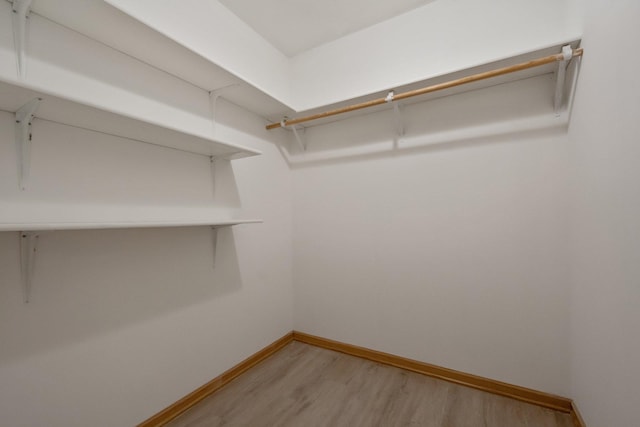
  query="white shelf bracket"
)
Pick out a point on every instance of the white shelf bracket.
point(399, 121)
point(214, 243)
point(299, 138)
point(28, 248)
point(301, 142)
point(397, 114)
point(21, 10)
point(561, 77)
point(24, 118)
point(212, 168)
point(213, 104)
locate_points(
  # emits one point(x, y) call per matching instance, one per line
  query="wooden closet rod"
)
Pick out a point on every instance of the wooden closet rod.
point(440, 86)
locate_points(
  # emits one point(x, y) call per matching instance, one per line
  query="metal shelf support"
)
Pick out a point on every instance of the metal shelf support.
point(299, 138)
point(28, 249)
point(213, 104)
point(214, 242)
point(24, 118)
point(21, 10)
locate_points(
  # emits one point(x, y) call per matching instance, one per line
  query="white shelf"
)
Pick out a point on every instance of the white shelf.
point(56, 108)
point(52, 226)
point(31, 219)
point(21, 216)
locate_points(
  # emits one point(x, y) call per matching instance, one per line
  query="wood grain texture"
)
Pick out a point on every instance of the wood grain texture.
point(516, 392)
point(182, 405)
point(305, 385)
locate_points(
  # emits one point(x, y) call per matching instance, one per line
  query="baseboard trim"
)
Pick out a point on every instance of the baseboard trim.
point(578, 421)
point(177, 408)
point(535, 397)
point(539, 398)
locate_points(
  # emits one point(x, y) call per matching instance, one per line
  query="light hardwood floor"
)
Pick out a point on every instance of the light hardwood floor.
point(306, 386)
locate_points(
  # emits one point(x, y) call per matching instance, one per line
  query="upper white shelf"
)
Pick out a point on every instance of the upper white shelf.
point(13, 95)
point(22, 216)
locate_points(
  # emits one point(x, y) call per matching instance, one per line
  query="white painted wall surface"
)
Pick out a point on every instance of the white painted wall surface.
point(66, 63)
point(441, 37)
point(484, 254)
point(604, 134)
point(123, 323)
point(212, 31)
point(436, 39)
point(453, 253)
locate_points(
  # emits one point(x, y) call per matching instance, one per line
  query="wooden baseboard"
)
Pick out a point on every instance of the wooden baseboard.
point(520, 393)
point(576, 417)
point(171, 412)
point(539, 398)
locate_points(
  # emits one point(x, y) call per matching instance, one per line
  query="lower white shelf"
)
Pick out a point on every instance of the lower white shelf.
point(52, 226)
point(31, 219)
point(23, 216)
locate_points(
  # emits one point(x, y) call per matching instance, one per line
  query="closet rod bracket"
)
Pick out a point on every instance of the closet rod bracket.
point(24, 118)
point(397, 114)
point(299, 138)
point(561, 77)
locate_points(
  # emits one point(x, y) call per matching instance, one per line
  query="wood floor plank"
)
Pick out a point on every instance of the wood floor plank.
point(303, 385)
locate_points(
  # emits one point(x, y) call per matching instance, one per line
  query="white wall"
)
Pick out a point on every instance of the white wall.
point(436, 39)
point(485, 254)
point(439, 38)
point(212, 31)
point(66, 63)
point(604, 134)
point(123, 323)
point(453, 253)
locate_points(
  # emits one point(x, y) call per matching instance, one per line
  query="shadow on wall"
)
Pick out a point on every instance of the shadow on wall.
point(88, 283)
point(390, 148)
point(490, 115)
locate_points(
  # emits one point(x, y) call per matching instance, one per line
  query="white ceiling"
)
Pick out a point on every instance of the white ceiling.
point(294, 26)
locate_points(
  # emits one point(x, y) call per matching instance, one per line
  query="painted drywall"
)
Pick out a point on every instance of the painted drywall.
point(212, 31)
point(453, 251)
point(63, 62)
point(435, 39)
point(123, 323)
point(604, 135)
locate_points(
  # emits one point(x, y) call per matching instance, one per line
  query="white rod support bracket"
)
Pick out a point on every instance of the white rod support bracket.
point(396, 112)
point(301, 142)
point(24, 118)
point(299, 139)
point(399, 121)
point(28, 248)
point(558, 97)
point(21, 10)
point(390, 96)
